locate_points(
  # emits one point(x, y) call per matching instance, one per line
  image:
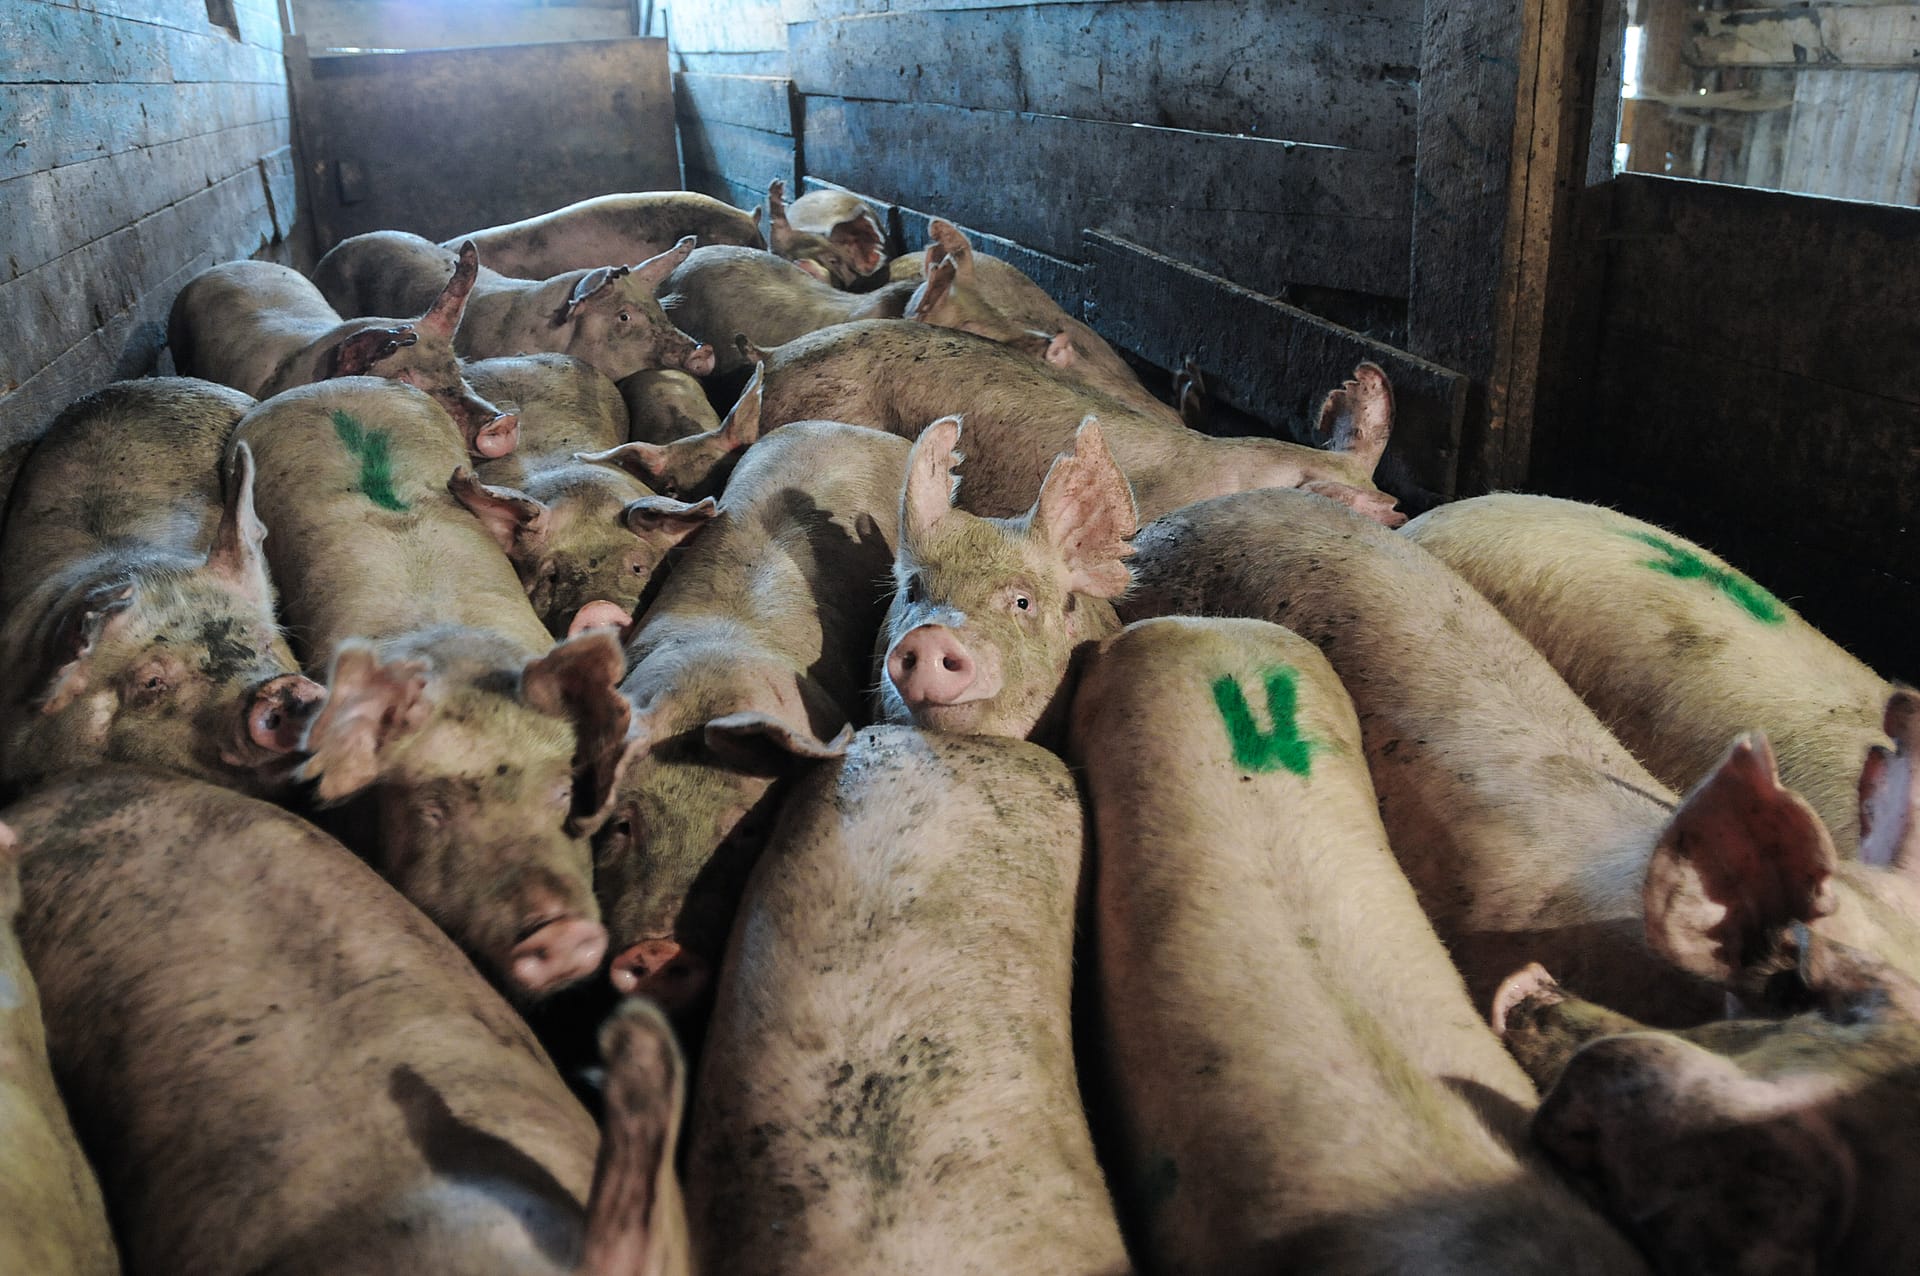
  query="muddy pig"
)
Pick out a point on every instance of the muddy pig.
point(581, 532)
point(607, 315)
point(139, 616)
point(360, 1101)
point(1020, 413)
point(831, 235)
point(1529, 832)
point(479, 754)
point(988, 613)
point(263, 328)
point(1675, 650)
point(1317, 1094)
point(52, 1222)
point(888, 1081)
point(664, 404)
point(751, 664)
point(592, 232)
point(1749, 1145)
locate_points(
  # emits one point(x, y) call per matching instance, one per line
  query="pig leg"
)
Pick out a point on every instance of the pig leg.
point(636, 1224)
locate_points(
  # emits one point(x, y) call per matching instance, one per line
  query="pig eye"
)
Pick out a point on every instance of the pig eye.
point(625, 317)
point(1023, 602)
point(149, 686)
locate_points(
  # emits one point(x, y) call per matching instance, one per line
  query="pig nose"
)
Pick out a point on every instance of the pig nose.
point(556, 954)
point(662, 970)
point(277, 717)
point(499, 437)
point(929, 666)
point(700, 362)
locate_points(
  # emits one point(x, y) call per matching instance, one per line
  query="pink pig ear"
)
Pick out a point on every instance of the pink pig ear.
point(653, 272)
point(933, 291)
point(1889, 798)
point(1743, 858)
point(517, 523)
point(954, 246)
point(369, 706)
point(67, 662)
point(587, 287)
point(761, 742)
point(1086, 512)
point(931, 482)
point(1060, 351)
point(235, 555)
point(1358, 417)
point(443, 317)
point(357, 354)
point(579, 679)
point(861, 237)
point(662, 518)
point(742, 426)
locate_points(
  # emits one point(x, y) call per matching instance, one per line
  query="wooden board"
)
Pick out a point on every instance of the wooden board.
point(403, 140)
point(745, 156)
point(763, 102)
point(375, 24)
point(48, 125)
point(727, 26)
point(1859, 36)
point(1260, 212)
point(1321, 71)
point(1267, 358)
point(739, 194)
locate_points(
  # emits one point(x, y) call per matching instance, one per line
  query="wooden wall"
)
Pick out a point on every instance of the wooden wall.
point(143, 143)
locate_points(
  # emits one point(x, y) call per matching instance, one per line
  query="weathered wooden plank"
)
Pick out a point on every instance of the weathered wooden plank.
point(761, 102)
point(376, 24)
point(1064, 281)
point(1263, 212)
point(48, 125)
point(796, 11)
point(558, 122)
point(44, 215)
point(750, 62)
point(720, 186)
point(745, 155)
point(1826, 307)
point(1858, 36)
point(1265, 357)
point(51, 44)
point(727, 26)
point(1321, 71)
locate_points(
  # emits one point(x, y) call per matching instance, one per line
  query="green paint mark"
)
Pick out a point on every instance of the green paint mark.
point(376, 463)
point(1253, 749)
point(1684, 564)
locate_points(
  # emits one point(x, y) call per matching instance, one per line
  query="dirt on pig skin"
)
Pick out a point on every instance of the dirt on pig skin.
point(888, 1081)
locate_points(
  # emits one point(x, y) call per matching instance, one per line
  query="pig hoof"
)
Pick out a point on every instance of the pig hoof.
point(662, 970)
point(1532, 981)
point(556, 954)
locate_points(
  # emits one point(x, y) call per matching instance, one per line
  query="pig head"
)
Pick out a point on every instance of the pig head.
point(611, 318)
point(835, 240)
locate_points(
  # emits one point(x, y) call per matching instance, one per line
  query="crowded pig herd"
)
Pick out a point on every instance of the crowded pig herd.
point(1074, 842)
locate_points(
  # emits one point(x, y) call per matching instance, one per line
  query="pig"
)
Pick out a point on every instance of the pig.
point(888, 1080)
point(898, 376)
point(478, 753)
point(1528, 831)
point(695, 467)
point(263, 328)
point(752, 664)
point(988, 613)
point(664, 404)
point(581, 532)
point(138, 611)
point(1675, 651)
point(1783, 1144)
point(52, 1221)
point(606, 315)
point(283, 1070)
point(831, 235)
point(1333, 1103)
point(592, 232)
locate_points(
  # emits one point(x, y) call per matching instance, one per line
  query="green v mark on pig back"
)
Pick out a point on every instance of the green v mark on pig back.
point(370, 448)
point(1684, 564)
point(1281, 745)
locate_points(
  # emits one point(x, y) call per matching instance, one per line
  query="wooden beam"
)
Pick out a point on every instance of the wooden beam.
point(1826, 36)
point(763, 102)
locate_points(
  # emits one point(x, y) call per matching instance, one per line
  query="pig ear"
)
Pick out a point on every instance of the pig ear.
point(1708, 1169)
point(780, 232)
point(931, 482)
point(1060, 351)
point(653, 272)
point(359, 352)
point(1358, 417)
point(1889, 829)
point(369, 705)
point(760, 742)
point(932, 292)
point(1086, 512)
point(861, 237)
point(68, 659)
point(1369, 502)
point(645, 461)
point(664, 518)
point(235, 555)
point(517, 523)
point(580, 680)
point(628, 1210)
point(1742, 859)
point(956, 247)
point(742, 426)
point(443, 317)
point(600, 614)
point(748, 351)
point(589, 286)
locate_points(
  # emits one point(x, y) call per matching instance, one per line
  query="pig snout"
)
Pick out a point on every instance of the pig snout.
point(663, 971)
point(700, 361)
point(499, 437)
point(930, 665)
point(556, 953)
point(278, 713)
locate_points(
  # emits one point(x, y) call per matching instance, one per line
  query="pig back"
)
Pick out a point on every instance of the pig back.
point(565, 406)
point(888, 1080)
point(359, 1100)
point(365, 539)
point(385, 272)
point(664, 404)
point(244, 323)
point(1524, 826)
point(1675, 651)
point(607, 230)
